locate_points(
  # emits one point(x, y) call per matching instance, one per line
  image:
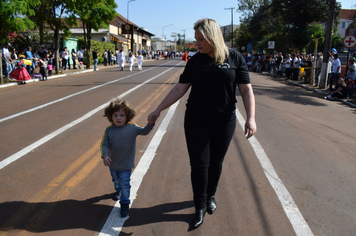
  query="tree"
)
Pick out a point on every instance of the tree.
point(13, 17)
point(283, 21)
point(94, 15)
point(54, 11)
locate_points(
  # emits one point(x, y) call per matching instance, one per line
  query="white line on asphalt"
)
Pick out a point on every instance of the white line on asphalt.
point(72, 95)
point(114, 222)
point(297, 220)
point(45, 139)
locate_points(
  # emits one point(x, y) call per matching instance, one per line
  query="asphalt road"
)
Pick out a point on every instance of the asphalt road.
point(295, 177)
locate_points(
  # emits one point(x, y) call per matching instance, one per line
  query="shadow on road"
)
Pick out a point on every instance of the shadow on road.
point(86, 214)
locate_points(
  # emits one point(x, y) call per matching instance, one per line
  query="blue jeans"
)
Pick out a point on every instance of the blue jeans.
point(332, 76)
point(95, 64)
point(121, 179)
point(8, 69)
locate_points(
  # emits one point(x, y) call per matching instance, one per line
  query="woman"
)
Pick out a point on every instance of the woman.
point(340, 90)
point(74, 58)
point(210, 121)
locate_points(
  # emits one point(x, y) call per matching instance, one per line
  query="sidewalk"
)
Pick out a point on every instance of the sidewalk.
point(350, 102)
point(62, 73)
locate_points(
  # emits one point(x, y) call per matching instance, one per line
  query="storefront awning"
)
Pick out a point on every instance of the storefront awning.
point(118, 38)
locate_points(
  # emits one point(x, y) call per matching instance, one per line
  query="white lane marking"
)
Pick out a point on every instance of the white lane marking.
point(297, 220)
point(45, 139)
point(72, 95)
point(114, 222)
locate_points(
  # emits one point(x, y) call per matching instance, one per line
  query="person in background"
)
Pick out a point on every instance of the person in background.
point(95, 58)
point(64, 56)
point(30, 68)
point(43, 68)
point(13, 57)
point(350, 87)
point(296, 66)
point(340, 90)
point(109, 57)
point(131, 60)
point(212, 76)
point(80, 54)
point(105, 56)
point(7, 59)
point(121, 59)
point(50, 60)
point(335, 68)
point(318, 64)
point(139, 61)
point(288, 63)
point(351, 71)
point(74, 58)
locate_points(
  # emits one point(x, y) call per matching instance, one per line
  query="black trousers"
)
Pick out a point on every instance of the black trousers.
point(207, 141)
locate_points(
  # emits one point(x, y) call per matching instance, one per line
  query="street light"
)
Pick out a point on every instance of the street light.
point(163, 31)
point(128, 9)
point(127, 27)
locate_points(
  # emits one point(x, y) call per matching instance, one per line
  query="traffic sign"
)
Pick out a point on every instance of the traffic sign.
point(349, 41)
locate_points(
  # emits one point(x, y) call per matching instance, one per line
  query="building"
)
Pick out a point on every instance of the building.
point(161, 45)
point(226, 31)
point(123, 33)
point(346, 17)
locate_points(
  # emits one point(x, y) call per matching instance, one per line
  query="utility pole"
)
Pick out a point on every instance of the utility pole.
point(232, 26)
point(184, 41)
point(328, 42)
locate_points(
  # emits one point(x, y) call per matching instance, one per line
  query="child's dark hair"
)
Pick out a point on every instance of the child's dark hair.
point(117, 105)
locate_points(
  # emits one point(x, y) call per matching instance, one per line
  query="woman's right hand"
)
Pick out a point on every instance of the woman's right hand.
point(153, 116)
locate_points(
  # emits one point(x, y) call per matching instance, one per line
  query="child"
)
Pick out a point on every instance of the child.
point(20, 73)
point(37, 72)
point(121, 59)
point(350, 87)
point(131, 60)
point(49, 64)
point(281, 71)
point(139, 61)
point(118, 148)
point(43, 69)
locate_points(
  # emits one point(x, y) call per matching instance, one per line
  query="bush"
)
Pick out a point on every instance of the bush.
point(95, 44)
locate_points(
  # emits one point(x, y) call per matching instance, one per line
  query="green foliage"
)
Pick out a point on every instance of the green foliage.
point(101, 46)
point(22, 40)
point(13, 17)
point(286, 22)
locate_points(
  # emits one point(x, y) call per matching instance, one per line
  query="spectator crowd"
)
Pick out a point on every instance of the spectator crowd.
point(299, 67)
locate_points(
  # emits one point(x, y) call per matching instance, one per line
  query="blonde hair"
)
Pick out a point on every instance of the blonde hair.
point(212, 34)
point(343, 81)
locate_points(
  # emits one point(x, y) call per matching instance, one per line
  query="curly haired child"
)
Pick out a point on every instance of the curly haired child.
point(118, 148)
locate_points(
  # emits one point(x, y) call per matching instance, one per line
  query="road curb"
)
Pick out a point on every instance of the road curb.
point(321, 92)
point(49, 78)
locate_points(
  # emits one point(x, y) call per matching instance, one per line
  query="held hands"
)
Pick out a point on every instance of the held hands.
point(153, 117)
point(250, 128)
point(106, 161)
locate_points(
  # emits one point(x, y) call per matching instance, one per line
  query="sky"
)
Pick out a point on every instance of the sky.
point(162, 17)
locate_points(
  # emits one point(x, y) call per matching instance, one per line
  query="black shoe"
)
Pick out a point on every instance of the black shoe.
point(116, 196)
point(124, 210)
point(199, 217)
point(211, 205)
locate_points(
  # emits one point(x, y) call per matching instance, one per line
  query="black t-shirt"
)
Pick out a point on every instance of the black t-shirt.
point(95, 55)
point(213, 90)
point(344, 89)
